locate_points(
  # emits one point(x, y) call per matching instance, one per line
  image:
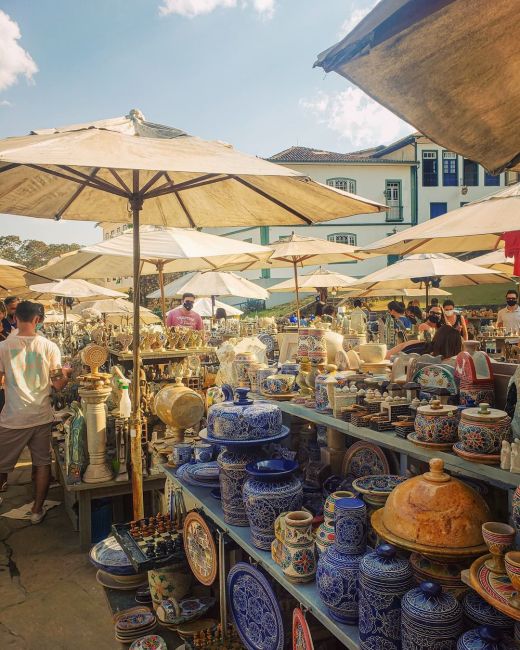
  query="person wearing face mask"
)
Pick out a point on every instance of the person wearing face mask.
point(509, 317)
point(433, 321)
point(457, 321)
point(184, 315)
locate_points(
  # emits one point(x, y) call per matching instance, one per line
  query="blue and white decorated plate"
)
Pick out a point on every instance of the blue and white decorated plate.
point(255, 609)
point(224, 442)
point(203, 471)
point(267, 340)
point(108, 556)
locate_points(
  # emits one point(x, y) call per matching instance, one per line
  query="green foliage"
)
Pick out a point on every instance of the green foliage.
point(32, 253)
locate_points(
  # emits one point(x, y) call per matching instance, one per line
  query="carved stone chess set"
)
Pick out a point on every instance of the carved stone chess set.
point(156, 536)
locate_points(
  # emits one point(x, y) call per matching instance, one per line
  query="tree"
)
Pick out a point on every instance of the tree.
point(31, 253)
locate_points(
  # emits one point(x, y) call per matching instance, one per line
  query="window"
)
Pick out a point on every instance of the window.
point(343, 238)
point(463, 203)
point(511, 177)
point(436, 209)
point(491, 179)
point(449, 169)
point(470, 172)
point(345, 184)
point(393, 200)
point(429, 169)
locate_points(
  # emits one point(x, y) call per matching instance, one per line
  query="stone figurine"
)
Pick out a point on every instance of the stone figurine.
point(515, 456)
point(505, 455)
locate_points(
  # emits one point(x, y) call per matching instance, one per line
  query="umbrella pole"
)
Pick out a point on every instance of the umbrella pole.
point(427, 294)
point(212, 307)
point(160, 268)
point(297, 294)
point(64, 316)
point(136, 204)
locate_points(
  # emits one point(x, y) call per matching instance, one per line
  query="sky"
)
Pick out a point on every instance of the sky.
point(233, 70)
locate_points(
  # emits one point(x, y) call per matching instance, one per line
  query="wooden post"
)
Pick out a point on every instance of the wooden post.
point(160, 269)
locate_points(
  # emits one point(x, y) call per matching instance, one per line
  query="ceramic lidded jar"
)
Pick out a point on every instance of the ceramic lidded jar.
point(384, 578)
point(298, 557)
point(232, 476)
point(270, 489)
point(244, 419)
point(436, 422)
point(482, 430)
point(484, 638)
point(430, 619)
point(477, 612)
point(325, 534)
point(338, 567)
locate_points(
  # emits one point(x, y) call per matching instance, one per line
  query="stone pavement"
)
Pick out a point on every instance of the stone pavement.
point(49, 597)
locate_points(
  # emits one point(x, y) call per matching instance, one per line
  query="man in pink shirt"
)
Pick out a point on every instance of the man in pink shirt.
point(184, 315)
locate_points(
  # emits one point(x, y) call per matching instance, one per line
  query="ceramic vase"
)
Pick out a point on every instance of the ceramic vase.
point(312, 344)
point(298, 557)
point(436, 423)
point(269, 490)
point(325, 533)
point(321, 393)
point(232, 476)
point(384, 578)
point(169, 582)
point(338, 566)
point(484, 638)
point(241, 365)
point(430, 619)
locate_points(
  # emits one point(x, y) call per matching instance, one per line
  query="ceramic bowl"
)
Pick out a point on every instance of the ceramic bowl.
point(372, 352)
point(278, 384)
point(512, 562)
point(108, 556)
point(271, 470)
point(150, 642)
point(498, 536)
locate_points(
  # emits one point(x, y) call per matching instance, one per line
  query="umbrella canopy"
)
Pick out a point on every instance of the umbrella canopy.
point(16, 278)
point(479, 225)
point(219, 283)
point(473, 77)
point(452, 272)
point(128, 170)
point(74, 289)
point(204, 307)
point(57, 317)
point(402, 293)
point(320, 278)
point(495, 260)
point(117, 311)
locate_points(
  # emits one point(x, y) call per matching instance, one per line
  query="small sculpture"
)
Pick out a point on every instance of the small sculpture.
point(505, 455)
point(515, 456)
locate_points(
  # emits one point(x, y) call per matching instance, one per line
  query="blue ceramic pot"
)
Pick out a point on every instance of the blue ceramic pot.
point(338, 566)
point(232, 477)
point(244, 419)
point(203, 452)
point(384, 578)
point(430, 619)
point(484, 638)
point(269, 490)
point(478, 612)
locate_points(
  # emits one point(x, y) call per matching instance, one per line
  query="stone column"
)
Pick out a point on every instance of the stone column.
point(95, 415)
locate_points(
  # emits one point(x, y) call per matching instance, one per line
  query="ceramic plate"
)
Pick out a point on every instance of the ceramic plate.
point(484, 459)
point(108, 580)
point(436, 376)
point(379, 484)
point(364, 459)
point(254, 608)
point(412, 437)
point(267, 340)
point(203, 471)
point(108, 556)
point(301, 634)
point(200, 548)
point(150, 642)
point(135, 621)
point(494, 588)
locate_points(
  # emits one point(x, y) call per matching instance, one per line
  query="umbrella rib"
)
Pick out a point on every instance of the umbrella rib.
point(185, 210)
point(274, 200)
point(102, 184)
point(119, 180)
point(213, 266)
point(151, 182)
point(53, 172)
point(80, 268)
point(169, 187)
point(80, 189)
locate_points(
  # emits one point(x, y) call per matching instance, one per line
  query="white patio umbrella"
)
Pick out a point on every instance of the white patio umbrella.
point(205, 308)
point(128, 170)
point(479, 225)
point(495, 260)
point(402, 293)
point(319, 279)
point(427, 269)
point(163, 250)
point(15, 277)
point(117, 310)
point(57, 317)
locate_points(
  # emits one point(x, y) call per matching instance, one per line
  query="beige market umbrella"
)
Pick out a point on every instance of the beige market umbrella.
point(15, 278)
point(430, 269)
point(479, 225)
point(128, 170)
point(402, 293)
point(319, 279)
point(57, 317)
point(205, 308)
point(163, 250)
point(117, 311)
point(495, 260)
point(449, 67)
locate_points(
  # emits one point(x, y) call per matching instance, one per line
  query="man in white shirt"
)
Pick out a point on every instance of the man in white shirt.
point(509, 317)
point(29, 366)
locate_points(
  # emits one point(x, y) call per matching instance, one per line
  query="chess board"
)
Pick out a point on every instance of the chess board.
point(150, 543)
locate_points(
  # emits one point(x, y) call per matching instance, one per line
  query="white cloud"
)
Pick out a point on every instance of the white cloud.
point(14, 60)
point(354, 18)
point(192, 8)
point(5, 102)
point(356, 117)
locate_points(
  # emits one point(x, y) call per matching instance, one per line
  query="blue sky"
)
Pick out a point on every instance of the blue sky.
point(234, 70)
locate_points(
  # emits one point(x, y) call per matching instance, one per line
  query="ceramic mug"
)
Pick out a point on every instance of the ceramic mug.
point(203, 452)
point(278, 384)
point(181, 453)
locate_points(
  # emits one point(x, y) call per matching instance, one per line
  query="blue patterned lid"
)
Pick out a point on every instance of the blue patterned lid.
point(385, 566)
point(484, 638)
point(427, 603)
point(482, 613)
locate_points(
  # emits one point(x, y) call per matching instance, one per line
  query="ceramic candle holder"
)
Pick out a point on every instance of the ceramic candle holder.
point(512, 564)
point(499, 538)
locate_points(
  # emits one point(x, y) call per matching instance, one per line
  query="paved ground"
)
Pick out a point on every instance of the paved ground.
point(49, 598)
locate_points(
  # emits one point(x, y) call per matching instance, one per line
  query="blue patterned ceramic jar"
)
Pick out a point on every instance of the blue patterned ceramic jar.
point(482, 430)
point(244, 419)
point(269, 490)
point(479, 612)
point(430, 619)
point(181, 453)
point(232, 476)
point(321, 393)
point(484, 638)
point(384, 578)
point(436, 422)
point(338, 567)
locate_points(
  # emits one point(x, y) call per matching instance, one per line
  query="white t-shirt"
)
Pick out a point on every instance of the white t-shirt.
point(510, 319)
point(27, 362)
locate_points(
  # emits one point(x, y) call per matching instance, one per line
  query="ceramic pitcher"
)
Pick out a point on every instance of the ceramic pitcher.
point(298, 558)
